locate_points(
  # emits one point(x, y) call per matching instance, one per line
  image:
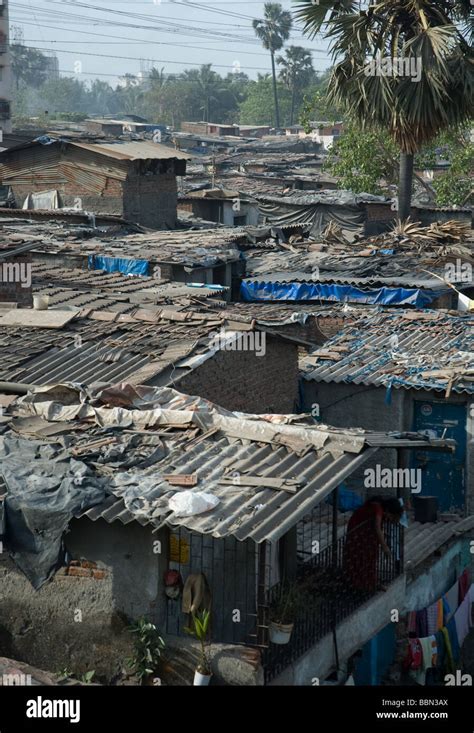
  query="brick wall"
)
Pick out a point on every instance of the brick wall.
point(151, 200)
point(15, 281)
point(243, 381)
point(316, 330)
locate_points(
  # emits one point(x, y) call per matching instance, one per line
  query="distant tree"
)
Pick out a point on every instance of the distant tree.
point(29, 66)
point(296, 72)
point(101, 98)
point(255, 110)
point(434, 36)
point(364, 159)
point(63, 95)
point(273, 30)
point(208, 86)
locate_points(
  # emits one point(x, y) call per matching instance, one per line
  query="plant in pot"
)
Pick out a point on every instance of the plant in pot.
point(148, 649)
point(200, 631)
point(282, 614)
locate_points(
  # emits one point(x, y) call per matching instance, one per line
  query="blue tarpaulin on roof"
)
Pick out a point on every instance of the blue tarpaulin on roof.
point(256, 291)
point(119, 264)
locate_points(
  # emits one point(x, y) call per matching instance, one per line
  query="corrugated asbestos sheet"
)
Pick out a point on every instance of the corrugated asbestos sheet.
point(134, 150)
point(422, 540)
point(428, 350)
point(245, 514)
point(100, 290)
point(283, 464)
point(96, 349)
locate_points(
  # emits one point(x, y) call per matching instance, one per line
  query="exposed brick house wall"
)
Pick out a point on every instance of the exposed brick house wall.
point(316, 330)
point(142, 191)
point(245, 382)
point(15, 280)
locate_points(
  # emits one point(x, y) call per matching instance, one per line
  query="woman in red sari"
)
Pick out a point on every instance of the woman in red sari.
point(364, 537)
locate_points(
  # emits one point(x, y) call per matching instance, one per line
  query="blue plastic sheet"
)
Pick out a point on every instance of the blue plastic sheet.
point(257, 291)
point(119, 264)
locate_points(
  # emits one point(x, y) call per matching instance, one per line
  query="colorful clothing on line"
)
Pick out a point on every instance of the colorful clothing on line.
point(432, 618)
point(451, 602)
point(463, 586)
point(440, 619)
point(462, 620)
point(422, 623)
point(453, 638)
point(449, 661)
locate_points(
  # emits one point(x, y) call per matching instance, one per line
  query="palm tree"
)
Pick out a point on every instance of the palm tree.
point(208, 86)
point(273, 30)
point(297, 70)
point(433, 35)
point(156, 83)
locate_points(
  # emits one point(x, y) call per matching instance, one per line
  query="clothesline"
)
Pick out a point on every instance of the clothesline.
point(437, 633)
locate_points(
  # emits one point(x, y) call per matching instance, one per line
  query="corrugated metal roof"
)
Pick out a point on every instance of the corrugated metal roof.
point(134, 150)
point(422, 540)
point(429, 350)
point(262, 514)
point(314, 459)
point(335, 276)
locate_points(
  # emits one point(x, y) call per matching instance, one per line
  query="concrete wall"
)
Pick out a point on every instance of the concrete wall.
point(42, 627)
point(352, 634)
point(344, 405)
point(360, 627)
point(241, 380)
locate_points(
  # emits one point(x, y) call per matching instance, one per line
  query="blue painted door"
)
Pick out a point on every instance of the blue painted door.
point(443, 474)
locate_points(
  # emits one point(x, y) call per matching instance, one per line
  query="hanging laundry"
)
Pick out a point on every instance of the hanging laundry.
point(411, 622)
point(449, 661)
point(422, 623)
point(462, 619)
point(440, 620)
point(432, 618)
point(453, 638)
point(463, 584)
point(414, 657)
point(442, 652)
point(429, 656)
point(451, 598)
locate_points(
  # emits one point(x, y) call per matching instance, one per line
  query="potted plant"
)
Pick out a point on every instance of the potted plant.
point(200, 631)
point(149, 646)
point(282, 614)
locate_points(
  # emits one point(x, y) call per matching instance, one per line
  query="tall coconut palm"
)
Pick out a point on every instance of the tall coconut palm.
point(296, 71)
point(273, 30)
point(433, 35)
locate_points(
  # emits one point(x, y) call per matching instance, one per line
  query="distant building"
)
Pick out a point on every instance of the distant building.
point(324, 133)
point(135, 180)
point(5, 71)
point(209, 128)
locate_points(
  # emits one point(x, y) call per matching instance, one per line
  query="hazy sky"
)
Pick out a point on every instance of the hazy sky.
point(90, 37)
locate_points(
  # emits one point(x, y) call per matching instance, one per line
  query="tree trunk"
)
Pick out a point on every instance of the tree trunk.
point(405, 183)
point(293, 100)
point(275, 94)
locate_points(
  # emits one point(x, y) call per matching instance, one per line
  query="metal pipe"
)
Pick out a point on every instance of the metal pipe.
point(16, 387)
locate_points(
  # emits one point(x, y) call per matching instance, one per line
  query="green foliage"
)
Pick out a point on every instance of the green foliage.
point(29, 66)
point(362, 160)
point(200, 630)
point(149, 646)
point(274, 28)
point(283, 609)
point(256, 108)
point(87, 677)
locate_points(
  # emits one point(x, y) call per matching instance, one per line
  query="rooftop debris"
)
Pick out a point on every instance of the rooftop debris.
point(115, 450)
